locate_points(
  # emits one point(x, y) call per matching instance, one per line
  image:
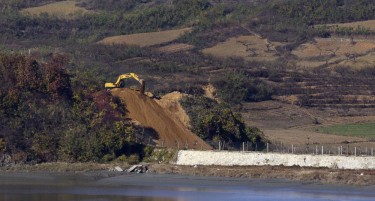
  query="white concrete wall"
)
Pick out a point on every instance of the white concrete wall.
point(225, 158)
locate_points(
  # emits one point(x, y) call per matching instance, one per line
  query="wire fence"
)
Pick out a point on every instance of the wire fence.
point(277, 147)
point(339, 149)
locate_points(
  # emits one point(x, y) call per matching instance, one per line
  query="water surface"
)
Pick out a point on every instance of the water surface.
point(147, 187)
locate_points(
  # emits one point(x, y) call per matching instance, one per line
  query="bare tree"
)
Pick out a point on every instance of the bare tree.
point(249, 48)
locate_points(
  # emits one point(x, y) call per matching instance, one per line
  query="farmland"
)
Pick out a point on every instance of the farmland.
point(247, 47)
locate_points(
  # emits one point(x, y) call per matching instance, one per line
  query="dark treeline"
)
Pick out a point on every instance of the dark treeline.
point(100, 24)
point(47, 115)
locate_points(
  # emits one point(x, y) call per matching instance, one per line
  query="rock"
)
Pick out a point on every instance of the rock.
point(138, 169)
point(118, 169)
point(5, 160)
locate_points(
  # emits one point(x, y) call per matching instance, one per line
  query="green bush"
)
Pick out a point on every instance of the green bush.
point(237, 87)
point(215, 122)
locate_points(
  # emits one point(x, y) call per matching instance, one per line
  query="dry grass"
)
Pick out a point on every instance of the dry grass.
point(335, 51)
point(145, 39)
point(370, 24)
point(248, 47)
point(302, 137)
point(61, 9)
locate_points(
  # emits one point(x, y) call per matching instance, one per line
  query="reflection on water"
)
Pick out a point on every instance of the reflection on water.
point(43, 187)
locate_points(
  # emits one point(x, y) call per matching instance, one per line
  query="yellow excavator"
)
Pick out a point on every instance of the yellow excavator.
point(120, 83)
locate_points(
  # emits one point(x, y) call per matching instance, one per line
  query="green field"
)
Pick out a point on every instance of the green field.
point(356, 129)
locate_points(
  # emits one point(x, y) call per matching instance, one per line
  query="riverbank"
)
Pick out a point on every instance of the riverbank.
point(303, 174)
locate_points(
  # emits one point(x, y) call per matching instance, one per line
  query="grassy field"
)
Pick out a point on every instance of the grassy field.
point(355, 129)
point(145, 39)
point(61, 9)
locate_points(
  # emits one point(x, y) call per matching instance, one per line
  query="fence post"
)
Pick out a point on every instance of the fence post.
point(267, 147)
point(243, 146)
point(219, 145)
point(322, 150)
point(292, 149)
point(316, 150)
point(355, 151)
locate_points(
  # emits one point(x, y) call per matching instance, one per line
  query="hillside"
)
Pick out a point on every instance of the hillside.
point(290, 68)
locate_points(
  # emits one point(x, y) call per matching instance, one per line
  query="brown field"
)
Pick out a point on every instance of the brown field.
point(248, 47)
point(62, 9)
point(370, 24)
point(145, 39)
point(335, 51)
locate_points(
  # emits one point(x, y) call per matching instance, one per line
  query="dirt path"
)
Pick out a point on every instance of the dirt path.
point(172, 132)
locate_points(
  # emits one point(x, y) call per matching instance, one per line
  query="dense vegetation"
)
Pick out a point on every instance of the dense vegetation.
point(46, 116)
point(216, 123)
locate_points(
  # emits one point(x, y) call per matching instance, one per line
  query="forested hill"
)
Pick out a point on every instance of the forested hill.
point(53, 68)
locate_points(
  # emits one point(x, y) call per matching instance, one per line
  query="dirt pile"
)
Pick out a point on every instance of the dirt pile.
point(171, 103)
point(172, 133)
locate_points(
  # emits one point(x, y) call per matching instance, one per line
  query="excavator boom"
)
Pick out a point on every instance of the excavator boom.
point(117, 84)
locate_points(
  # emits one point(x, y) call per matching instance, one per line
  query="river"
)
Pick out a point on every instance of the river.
point(151, 187)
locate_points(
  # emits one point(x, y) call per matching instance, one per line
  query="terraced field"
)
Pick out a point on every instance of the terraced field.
point(356, 53)
point(61, 9)
point(335, 91)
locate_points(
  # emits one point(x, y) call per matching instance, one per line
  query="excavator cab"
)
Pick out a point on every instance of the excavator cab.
point(120, 82)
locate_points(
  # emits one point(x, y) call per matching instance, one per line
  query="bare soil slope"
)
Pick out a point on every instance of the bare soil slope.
point(172, 133)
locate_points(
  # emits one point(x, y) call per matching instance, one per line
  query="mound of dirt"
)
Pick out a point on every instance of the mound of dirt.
point(172, 133)
point(171, 103)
